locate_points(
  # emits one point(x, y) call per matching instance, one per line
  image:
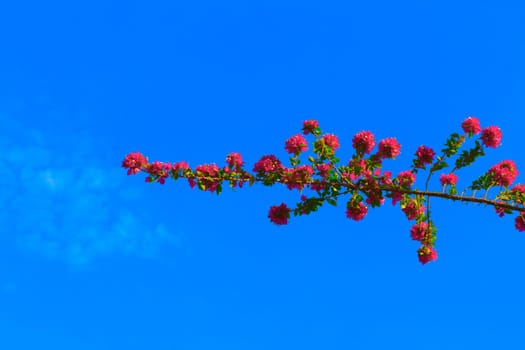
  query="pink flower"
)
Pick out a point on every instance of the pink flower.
point(296, 144)
point(279, 214)
point(504, 172)
point(356, 211)
point(180, 166)
point(298, 177)
point(309, 126)
point(406, 178)
point(324, 169)
point(134, 162)
point(418, 231)
point(318, 186)
point(448, 179)
point(413, 209)
point(500, 211)
point(519, 188)
point(519, 222)
point(471, 126)
point(389, 148)
point(518, 191)
point(386, 179)
point(159, 171)
point(425, 155)
point(375, 197)
point(331, 141)
point(358, 168)
point(208, 176)
point(234, 160)
point(363, 142)
point(267, 165)
point(491, 136)
point(426, 254)
point(396, 197)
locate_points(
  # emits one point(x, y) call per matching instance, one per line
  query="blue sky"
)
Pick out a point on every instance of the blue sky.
point(93, 259)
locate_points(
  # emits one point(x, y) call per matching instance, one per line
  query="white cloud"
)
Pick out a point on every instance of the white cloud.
point(64, 203)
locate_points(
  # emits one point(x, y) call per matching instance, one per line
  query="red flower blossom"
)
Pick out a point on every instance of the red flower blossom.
point(180, 166)
point(499, 210)
point(406, 178)
point(358, 168)
point(363, 142)
point(158, 171)
point(413, 209)
point(356, 211)
point(491, 136)
point(426, 254)
point(324, 169)
point(298, 177)
point(208, 176)
point(425, 155)
point(448, 179)
point(234, 160)
point(520, 222)
point(518, 191)
point(471, 126)
point(279, 214)
point(418, 231)
point(309, 126)
point(389, 148)
point(317, 186)
point(296, 144)
point(134, 162)
point(386, 179)
point(267, 165)
point(396, 197)
point(504, 172)
point(331, 141)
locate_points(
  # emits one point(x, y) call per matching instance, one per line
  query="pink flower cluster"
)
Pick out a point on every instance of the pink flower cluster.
point(491, 136)
point(356, 211)
point(426, 254)
point(324, 169)
point(519, 222)
point(279, 214)
point(424, 155)
point(518, 191)
point(406, 178)
point(299, 177)
point(363, 142)
point(180, 166)
point(158, 170)
point(471, 125)
point(234, 160)
point(413, 209)
point(268, 164)
point(309, 126)
point(331, 141)
point(504, 172)
point(389, 148)
point(208, 176)
point(418, 231)
point(296, 144)
point(448, 179)
point(134, 162)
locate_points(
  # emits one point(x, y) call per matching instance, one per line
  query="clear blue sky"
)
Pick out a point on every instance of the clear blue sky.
point(93, 259)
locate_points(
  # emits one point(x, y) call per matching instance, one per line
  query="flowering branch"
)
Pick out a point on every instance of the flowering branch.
point(361, 179)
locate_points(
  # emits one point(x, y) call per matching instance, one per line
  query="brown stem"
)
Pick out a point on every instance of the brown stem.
point(389, 188)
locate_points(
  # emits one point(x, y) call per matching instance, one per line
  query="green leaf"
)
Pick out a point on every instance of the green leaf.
point(332, 201)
